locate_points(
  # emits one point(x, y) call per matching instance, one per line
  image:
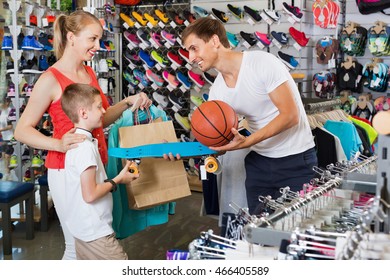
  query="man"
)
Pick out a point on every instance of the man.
point(258, 86)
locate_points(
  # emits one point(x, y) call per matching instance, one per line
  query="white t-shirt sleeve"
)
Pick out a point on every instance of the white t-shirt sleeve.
point(83, 157)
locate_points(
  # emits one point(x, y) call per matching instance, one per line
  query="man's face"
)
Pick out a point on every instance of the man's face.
point(201, 52)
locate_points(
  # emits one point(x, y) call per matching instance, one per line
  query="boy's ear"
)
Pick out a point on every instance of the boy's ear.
point(83, 113)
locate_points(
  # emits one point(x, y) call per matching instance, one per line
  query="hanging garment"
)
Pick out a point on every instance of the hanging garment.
point(367, 151)
point(325, 147)
point(371, 132)
point(347, 134)
point(126, 221)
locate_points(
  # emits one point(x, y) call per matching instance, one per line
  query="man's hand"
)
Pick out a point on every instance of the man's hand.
point(235, 144)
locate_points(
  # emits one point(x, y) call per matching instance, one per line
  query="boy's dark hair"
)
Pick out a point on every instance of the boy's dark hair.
point(76, 96)
point(205, 28)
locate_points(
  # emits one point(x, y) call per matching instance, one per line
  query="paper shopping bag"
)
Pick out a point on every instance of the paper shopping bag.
point(160, 180)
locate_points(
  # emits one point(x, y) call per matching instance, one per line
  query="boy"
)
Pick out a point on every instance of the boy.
point(88, 192)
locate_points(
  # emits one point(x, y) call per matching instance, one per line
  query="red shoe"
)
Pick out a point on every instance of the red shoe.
point(174, 58)
point(298, 36)
point(196, 78)
point(184, 54)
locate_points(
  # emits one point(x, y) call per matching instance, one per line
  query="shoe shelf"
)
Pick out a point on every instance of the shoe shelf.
point(153, 59)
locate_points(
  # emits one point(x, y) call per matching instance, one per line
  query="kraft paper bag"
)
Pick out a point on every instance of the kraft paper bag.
point(160, 180)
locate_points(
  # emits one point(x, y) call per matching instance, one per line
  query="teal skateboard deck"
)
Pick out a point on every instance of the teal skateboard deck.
point(184, 149)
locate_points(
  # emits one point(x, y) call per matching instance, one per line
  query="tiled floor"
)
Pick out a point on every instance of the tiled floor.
point(149, 244)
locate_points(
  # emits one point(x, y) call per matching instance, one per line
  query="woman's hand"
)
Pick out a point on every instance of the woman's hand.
point(139, 101)
point(70, 140)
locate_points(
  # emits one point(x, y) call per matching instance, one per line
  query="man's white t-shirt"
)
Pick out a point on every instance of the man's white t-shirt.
point(260, 74)
point(86, 221)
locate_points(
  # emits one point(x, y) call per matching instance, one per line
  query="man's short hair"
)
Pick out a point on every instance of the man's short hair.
point(205, 28)
point(76, 96)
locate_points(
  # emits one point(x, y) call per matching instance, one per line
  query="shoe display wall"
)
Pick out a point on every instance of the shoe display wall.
point(154, 60)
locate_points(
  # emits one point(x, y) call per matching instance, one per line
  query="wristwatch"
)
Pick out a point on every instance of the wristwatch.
point(114, 185)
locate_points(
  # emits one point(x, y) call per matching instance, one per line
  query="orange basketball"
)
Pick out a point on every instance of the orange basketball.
point(211, 123)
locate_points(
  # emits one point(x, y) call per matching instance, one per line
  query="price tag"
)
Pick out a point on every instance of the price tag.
point(297, 46)
point(203, 172)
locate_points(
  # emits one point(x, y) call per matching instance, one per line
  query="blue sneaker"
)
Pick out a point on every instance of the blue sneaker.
point(103, 47)
point(184, 80)
point(289, 60)
point(141, 77)
point(30, 43)
point(281, 37)
point(42, 63)
point(205, 96)
point(233, 41)
point(7, 43)
point(144, 56)
point(130, 78)
point(200, 11)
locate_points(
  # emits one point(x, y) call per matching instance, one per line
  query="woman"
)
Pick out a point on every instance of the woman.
point(76, 40)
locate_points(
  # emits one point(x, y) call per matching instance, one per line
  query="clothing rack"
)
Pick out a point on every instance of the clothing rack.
point(259, 230)
point(312, 105)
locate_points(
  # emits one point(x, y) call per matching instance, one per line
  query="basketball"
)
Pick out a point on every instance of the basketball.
point(211, 123)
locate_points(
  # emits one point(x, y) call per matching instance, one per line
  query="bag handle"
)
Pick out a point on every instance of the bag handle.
point(136, 116)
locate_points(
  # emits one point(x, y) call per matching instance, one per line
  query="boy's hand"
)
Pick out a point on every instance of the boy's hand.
point(126, 176)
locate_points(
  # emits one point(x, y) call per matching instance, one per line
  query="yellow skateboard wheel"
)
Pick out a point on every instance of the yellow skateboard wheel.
point(211, 164)
point(133, 168)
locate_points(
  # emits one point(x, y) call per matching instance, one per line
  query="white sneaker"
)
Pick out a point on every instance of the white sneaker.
point(103, 83)
point(103, 66)
point(160, 99)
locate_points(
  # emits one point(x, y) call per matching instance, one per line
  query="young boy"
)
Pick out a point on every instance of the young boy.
point(88, 191)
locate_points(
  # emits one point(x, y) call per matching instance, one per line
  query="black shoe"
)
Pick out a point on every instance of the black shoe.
point(189, 16)
point(281, 37)
point(249, 38)
point(220, 15)
point(178, 101)
point(20, 40)
point(236, 11)
point(51, 60)
point(208, 77)
point(252, 13)
point(132, 57)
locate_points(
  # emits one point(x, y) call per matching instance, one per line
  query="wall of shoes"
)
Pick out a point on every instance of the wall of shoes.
point(154, 60)
point(27, 51)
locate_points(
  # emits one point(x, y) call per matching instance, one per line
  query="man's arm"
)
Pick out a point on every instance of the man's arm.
point(283, 98)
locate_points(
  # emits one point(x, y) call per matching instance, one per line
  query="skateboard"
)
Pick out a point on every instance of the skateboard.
point(184, 149)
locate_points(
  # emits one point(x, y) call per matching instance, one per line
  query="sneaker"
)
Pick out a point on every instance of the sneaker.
point(44, 39)
point(36, 161)
point(161, 60)
point(139, 18)
point(20, 40)
point(220, 15)
point(189, 16)
point(156, 38)
point(29, 89)
point(209, 78)
point(13, 161)
point(252, 13)
point(162, 100)
point(154, 78)
point(183, 121)
point(185, 55)
point(293, 11)
point(141, 77)
point(177, 101)
point(127, 19)
point(170, 38)
point(183, 79)
point(170, 79)
point(30, 43)
point(145, 57)
point(236, 11)
point(273, 15)
point(150, 19)
point(161, 15)
point(31, 67)
point(11, 90)
point(42, 63)
point(132, 57)
point(33, 20)
point(144, 37)
point(263, 38)
point(196, 78)
point(7, 43)
point(249, 38)
point(24, 89)
point(111, 66)
point(130, 78)
point(232, 38)
point(200, 11)
point(196, 100)
point(26, 154)
point(27, 176)
point(103, 47)
point(298, 36)
point(288, 60)
point(131, 38)
point(205, 97)
point(281, 37)
point(51, 60)
point(102, 66)
point(50, 20)
point(184, 138)
point(175, 59)
point(176, 18)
